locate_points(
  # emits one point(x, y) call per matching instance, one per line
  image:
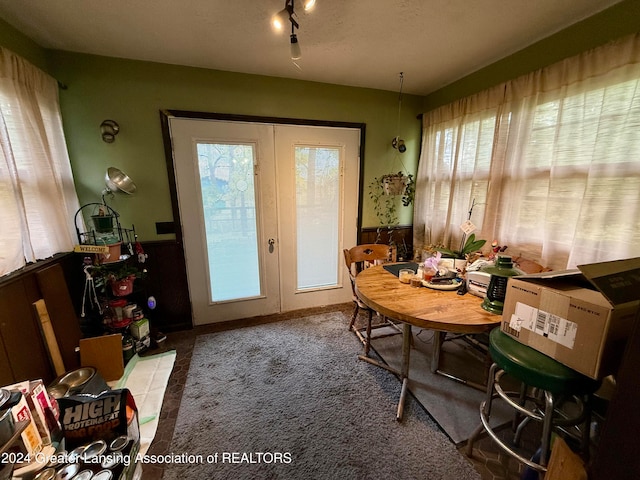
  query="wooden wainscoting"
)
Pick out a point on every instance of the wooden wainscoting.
point(23, 351)
point(60, 282)
point(402, 236)
point(167, 282)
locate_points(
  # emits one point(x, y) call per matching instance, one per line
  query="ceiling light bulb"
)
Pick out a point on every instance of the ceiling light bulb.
point(296, 52)
point(309, 4)
point(279, 20)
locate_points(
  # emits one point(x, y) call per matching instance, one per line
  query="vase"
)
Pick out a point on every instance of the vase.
point(454, 264)
point(113, 255)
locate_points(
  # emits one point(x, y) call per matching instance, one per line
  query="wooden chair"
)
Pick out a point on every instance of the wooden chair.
point(357, 259)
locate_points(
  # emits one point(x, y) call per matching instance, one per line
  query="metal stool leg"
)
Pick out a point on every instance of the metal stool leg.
point(519, 429)
point(490, 384)
point(485, 409)
point(546, 428)
point(586, 429)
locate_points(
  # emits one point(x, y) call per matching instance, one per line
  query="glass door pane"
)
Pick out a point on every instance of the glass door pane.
point(317, 215)
point(229, 207)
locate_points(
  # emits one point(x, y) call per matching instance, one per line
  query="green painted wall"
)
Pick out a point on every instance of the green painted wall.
point(133, 92)
point(22, 45)
point(615, 22)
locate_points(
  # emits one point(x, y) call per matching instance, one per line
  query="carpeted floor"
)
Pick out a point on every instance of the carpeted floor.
point(290, 400)
point(453, 405)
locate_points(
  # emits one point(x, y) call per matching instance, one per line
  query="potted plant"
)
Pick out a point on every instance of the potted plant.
point(383, 192)
point(119, 279)
point(393, 183)
point(469, 245)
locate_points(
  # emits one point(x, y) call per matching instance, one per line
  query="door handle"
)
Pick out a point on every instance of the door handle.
point(272, 242)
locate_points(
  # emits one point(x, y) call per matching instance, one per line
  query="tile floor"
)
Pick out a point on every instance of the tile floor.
point(488, 461)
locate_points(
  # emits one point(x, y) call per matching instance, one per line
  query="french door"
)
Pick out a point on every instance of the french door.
point(266, 211)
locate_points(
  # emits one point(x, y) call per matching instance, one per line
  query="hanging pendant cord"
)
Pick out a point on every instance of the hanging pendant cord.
point(397, 155)
point(399, 104)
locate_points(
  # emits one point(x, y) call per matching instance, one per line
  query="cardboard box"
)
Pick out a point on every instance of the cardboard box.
point(30, 440)
point(581, 318)
point(38, 402)
point(104, 354)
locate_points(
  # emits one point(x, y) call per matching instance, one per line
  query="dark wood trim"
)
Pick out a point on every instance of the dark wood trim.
point(361, 181)
point(232, 117)
point(168, 155)
point(33, 267)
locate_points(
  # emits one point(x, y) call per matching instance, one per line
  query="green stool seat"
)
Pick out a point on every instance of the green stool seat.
point(546, 385)
point(535, 368)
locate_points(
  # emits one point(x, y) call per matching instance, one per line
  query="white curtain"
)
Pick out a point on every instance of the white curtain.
point(37, 193)
point(552, 160)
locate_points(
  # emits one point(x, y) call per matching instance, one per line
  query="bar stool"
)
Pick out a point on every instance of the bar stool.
point(545, 387)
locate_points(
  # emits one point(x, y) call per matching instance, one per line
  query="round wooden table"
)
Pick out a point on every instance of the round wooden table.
point(439, 310)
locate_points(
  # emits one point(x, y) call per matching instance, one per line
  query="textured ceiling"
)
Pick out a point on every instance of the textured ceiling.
point(363, 43)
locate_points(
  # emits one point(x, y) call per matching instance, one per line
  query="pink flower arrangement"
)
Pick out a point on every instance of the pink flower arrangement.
point(433, 262)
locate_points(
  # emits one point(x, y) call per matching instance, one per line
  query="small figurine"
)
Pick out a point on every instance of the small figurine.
point(495, 249)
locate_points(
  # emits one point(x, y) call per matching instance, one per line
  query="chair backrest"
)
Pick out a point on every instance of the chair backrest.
point(362, 256)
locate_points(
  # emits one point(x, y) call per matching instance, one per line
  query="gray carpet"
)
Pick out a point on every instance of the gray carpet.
point(295, 388)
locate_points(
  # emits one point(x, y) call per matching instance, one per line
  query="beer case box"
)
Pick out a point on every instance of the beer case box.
point(139, 329)
point(581, 318)
point(30, 439)
point(38, 401)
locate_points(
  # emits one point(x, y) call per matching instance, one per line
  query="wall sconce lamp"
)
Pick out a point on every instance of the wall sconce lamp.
point(109, 129)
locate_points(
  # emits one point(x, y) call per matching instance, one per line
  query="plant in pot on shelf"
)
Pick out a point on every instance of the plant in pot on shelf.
point(383, 192)
point(120, 279)
point(468, 246)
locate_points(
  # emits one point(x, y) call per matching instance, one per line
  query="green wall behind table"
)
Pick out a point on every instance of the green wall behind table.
point(133, 92)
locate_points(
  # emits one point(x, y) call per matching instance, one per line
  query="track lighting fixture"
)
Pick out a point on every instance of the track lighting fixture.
point(296, 52)
point(279, 20)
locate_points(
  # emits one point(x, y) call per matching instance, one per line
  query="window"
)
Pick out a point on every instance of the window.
point(552, 160)
point(37, 193)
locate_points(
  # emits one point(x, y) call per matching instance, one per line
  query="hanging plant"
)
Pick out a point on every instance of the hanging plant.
point(385, 190)
point(398, 184)
point(393, 183)
point(409, 193)
point(385, 208)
